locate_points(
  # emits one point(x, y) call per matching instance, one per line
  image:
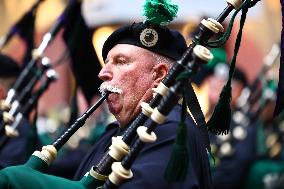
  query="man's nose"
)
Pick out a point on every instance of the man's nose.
point(105, 73)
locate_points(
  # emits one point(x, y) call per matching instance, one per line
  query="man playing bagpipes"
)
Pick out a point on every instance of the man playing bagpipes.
point(137, 57)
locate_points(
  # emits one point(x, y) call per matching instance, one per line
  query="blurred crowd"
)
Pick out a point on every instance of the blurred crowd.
point(251, 154)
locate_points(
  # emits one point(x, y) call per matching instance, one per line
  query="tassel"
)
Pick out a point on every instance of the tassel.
point(160, 12)
point(220, 120)
point(178, 164)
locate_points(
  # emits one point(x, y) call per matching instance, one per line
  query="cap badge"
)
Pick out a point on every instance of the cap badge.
point(149, 37)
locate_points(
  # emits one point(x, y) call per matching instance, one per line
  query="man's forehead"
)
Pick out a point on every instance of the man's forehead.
point(128, 50)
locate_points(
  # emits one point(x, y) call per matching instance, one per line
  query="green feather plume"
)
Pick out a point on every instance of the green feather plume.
point(160, 12)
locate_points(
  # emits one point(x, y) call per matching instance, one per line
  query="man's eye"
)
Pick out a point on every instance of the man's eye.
point(121, 61)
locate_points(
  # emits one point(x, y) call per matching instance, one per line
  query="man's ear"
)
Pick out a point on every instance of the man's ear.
point(159, 73)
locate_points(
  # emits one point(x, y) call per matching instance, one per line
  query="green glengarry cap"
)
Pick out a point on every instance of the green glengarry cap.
point(151, 34)
point(156, 38)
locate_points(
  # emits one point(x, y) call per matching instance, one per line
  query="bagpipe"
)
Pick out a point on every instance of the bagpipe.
point(114, 168)
point(250, 104)
point(251, 94)
point(18, 27)
point(18, 113)
point(5, 105)
point(24, 95)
